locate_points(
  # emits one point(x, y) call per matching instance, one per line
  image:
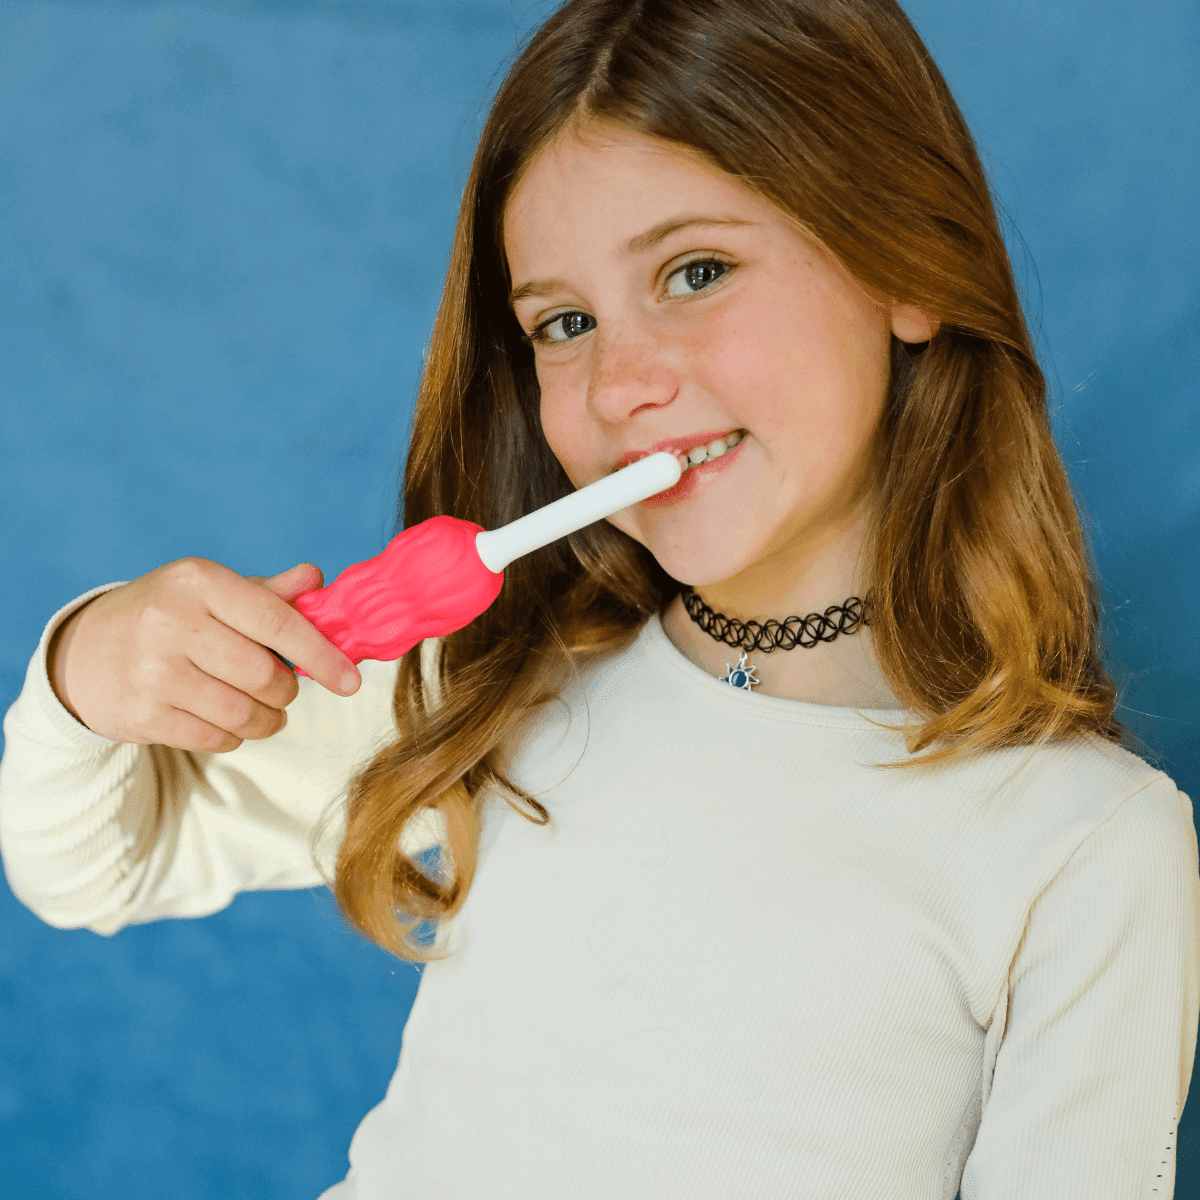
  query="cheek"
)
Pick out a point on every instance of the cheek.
point(811, 352)
point(552, 412)
point(756, 359)
point(561, 425)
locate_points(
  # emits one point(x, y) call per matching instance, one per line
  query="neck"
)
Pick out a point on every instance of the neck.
point(797, 582)
point(843, 673)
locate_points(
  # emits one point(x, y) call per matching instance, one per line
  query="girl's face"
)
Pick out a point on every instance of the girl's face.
point(648, 329)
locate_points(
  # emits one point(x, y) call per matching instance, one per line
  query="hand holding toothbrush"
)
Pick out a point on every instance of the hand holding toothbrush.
point(179, 657)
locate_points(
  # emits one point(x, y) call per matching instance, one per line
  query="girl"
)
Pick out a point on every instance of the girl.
point(731, 933)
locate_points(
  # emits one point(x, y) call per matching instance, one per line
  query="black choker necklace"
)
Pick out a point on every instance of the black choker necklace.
point(774, 635)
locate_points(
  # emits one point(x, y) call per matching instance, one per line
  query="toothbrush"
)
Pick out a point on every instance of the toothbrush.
point(442, 573)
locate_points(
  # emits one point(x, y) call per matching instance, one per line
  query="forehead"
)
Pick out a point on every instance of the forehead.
point(602, 176)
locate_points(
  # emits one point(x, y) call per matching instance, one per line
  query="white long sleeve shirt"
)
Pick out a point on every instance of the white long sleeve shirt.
point(737, 963)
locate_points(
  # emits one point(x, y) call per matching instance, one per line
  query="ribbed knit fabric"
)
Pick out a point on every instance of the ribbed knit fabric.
point(737, 963)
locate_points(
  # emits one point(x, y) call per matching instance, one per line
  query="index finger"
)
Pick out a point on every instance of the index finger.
point(347, 685)
point(295, 640)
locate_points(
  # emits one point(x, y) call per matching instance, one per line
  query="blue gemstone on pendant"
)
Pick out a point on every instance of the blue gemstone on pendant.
point(741, 676)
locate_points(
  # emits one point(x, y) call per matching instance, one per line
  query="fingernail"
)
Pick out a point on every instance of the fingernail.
point(350, 682)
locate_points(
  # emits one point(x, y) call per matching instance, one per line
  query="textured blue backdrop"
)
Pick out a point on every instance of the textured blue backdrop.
point(223, 228)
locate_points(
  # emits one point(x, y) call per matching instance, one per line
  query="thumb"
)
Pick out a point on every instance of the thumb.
point(287, 585)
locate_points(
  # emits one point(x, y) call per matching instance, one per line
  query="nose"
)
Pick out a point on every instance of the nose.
point(629, 371)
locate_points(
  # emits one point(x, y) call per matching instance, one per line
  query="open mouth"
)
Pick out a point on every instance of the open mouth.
point(714, 449)
point(703, 454)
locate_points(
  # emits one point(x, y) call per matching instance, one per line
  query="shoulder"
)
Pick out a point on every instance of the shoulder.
point(1027, 811)
point(1082, 779)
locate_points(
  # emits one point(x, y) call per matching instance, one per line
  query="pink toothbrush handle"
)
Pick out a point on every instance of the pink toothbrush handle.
point(428, 582)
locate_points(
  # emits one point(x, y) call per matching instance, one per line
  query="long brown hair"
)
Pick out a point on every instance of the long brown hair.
point(985, 616)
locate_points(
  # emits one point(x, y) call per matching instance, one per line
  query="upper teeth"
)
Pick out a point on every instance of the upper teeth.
point(714, 449)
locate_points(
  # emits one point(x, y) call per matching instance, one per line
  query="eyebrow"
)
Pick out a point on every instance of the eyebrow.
point(635, 245)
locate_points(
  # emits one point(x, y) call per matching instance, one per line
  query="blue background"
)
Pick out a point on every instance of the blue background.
point(223, 230)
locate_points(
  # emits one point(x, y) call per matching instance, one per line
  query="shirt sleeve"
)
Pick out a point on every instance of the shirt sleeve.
point(1096, 1057)
point(100, 834)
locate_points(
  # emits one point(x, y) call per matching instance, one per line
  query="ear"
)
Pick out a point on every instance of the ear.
point(910, 324)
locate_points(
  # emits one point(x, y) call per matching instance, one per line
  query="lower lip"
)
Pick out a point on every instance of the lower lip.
point(691, 479)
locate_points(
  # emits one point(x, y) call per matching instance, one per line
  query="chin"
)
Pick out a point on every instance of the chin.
point(700, 571)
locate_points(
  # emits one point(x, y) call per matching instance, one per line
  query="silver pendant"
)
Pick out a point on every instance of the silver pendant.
point(741, 676)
